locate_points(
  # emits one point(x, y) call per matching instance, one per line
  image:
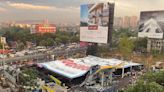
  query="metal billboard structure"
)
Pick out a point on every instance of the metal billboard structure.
point(96, 22)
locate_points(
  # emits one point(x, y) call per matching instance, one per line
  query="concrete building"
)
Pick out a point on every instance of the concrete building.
point(69, 28)
point(126, 22)
point(118, 22)
point(133, 21)
point(43, 28)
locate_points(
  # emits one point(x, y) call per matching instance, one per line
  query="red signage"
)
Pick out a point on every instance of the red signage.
point(72, 64)
point(92, 27)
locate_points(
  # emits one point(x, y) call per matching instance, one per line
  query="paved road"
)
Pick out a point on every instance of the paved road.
point(43, 55)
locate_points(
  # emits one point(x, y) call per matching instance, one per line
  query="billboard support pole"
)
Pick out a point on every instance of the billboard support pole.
point(110, 22)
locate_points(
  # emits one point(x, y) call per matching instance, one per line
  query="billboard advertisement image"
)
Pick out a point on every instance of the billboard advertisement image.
point(151, 24)
point(94, 19)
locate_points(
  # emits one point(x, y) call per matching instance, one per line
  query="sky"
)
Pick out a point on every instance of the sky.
point(67, 11)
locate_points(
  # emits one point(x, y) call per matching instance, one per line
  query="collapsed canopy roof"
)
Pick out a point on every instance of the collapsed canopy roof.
point(73, 68)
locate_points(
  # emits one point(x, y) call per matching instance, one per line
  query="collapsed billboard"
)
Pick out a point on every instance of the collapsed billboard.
point(151, 24)
point(74, 68)
point(69, 68)
point(94, 22)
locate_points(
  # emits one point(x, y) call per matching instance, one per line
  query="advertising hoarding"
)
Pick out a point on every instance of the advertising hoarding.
point(69, 68)
point(74, 68)
point(151, 24)
point(94, 22)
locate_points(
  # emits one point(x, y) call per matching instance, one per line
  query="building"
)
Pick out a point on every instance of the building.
point(43, 28)
point(118, 22)
point(14, 24)
point(126, 22)
point(73, 29)
point(133, 21)
point(22, 25)
point(152, 26)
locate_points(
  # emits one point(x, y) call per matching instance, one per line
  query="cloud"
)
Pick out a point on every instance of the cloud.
point(30, 6)
point(2, 9)
point(69, 9)
point(42, 7)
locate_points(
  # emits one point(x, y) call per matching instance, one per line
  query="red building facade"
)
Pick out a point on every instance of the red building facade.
point(43, 28)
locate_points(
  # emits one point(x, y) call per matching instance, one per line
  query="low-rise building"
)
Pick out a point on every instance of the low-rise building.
point(43, 28)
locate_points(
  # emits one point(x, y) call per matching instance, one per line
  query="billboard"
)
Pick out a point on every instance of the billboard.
point(74, 68)
point(69, 68)
point(151, 24)
point(94, 22)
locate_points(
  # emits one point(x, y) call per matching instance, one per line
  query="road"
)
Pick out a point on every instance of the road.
point(44, 55)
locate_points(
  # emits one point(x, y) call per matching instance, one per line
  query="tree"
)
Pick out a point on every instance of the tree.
point(124, 32)
point(1, 46)
point(140, 44)
point(23, 35)
point(143, 86)
point(126, 46)
point(75, 39)
point(47, 42)
point(150, 82)
point(20, 46)
point(50, 42)
point(28, 77)
point(58, 40)
point(64, 39)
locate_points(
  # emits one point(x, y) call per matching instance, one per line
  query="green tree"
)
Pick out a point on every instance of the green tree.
point(28, 77)
point(47, 42)
point(140, 44)
point(126, 46)
point(20, 46)
point(143, 86)
point(75, 39)
point(50, 42)
point(1, 46)
point(149, 82)
point(58, 41)
point(124, 32)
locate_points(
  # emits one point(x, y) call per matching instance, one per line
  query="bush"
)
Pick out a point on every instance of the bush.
point(150, 82)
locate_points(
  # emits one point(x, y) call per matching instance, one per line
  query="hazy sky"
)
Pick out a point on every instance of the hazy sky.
point(67, 11)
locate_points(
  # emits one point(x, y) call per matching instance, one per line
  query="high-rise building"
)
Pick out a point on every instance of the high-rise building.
point(118, 22)
point(126, 22)
point(133, 21)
